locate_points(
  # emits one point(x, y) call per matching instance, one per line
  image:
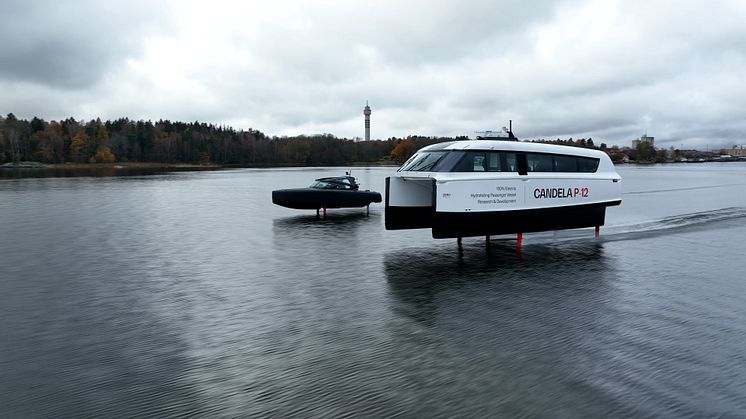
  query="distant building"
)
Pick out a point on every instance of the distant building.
point(644, 139)
point(367, 112)
point(736, 151)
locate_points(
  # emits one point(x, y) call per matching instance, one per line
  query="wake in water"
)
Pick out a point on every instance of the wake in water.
point(690, 188)
point(669, 225)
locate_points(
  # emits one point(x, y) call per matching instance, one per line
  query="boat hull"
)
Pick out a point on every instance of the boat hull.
point(308, 198)
point(486, 187)
point(417, 207)
point(450, 225)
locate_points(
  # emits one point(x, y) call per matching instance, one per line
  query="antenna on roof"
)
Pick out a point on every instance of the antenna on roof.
point(505, 135)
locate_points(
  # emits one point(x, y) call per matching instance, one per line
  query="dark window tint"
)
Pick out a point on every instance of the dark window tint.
point(587, 164)
point(484, 161)
point(502, 162)
point(497, 161)
point(325, 184)
point(423, 162)
point(539, 162)
point(565, 164)
point(471, 162)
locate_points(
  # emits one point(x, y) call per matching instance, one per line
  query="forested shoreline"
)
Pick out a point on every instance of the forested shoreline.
point(195, 143)
point(167, 142)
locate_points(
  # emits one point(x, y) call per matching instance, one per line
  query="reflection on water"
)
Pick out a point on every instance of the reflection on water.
point(492, 322)
point(416, 276)
point(192, 294)
point(343, 220)
point(335, 231)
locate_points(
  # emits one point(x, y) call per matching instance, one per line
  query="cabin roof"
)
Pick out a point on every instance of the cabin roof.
point(486, 145)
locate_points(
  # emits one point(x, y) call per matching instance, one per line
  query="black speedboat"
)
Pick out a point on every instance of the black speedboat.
point(327, 192)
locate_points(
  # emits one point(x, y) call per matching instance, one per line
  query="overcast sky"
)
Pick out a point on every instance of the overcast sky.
point(610, 70)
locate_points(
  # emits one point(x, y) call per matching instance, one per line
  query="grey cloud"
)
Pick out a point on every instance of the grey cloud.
point(445, 68)
point(70, 44)
point(402, 35)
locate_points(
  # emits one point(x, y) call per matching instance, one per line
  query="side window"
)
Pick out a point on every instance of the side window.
point(466, 164)
point(565, 164)
point(539, 162)
point(508, 162)
point(487, 161)
point(449, 162)
point(479, 163)
point(501, 161)
point(471, 162)
point(587, 164)
point(494, 162)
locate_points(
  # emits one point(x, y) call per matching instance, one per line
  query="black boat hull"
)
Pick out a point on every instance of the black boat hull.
point(308, 198)
point(453, 225)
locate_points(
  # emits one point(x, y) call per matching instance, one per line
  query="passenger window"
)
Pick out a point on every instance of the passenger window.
point(492, 161)
point(479, 163)
point(539, 162)
point(587, 165)
point(508, 162)
point(565, 164)
point(466, 164)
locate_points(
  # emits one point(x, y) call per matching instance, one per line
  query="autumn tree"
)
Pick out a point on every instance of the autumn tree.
point(102, 135)
point(403, 150)
point(79, 147)
point(104, 155)
point(196, 142)
point(101, 152)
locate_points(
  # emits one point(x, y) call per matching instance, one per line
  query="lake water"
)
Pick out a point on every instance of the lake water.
point(190, 293)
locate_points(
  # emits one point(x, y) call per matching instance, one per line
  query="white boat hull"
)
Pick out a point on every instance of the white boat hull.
point(470, 203)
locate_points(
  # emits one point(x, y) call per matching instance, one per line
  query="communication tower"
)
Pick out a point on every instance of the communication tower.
point(367, 112)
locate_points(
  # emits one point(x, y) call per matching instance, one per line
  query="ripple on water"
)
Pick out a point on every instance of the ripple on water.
point(191, 294)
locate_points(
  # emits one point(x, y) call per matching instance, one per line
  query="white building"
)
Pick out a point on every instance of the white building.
point(644, 139)
point(736, 151)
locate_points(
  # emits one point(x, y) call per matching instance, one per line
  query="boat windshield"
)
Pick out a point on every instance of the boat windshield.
point(331, 184)
point(423, 161)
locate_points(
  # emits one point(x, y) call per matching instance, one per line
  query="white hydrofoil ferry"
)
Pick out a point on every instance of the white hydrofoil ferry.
point(489, 187)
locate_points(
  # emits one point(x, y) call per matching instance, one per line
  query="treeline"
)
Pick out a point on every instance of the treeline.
point(125, 140)
point(643, 153)
point(580, 142)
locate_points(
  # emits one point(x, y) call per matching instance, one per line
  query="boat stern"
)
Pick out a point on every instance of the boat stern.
point(409, 202)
